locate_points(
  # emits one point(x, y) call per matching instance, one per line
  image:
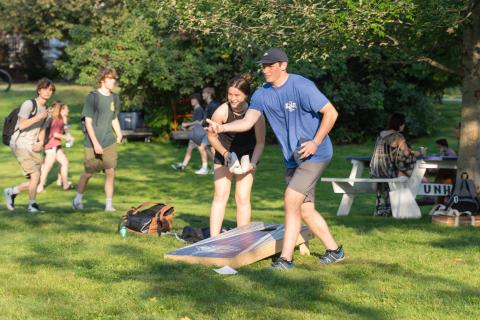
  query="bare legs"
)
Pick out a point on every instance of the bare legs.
point(243, 187)
point(295, 211)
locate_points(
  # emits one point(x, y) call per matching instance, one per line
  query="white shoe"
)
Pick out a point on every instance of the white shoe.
point(111, 209)
point(9, 199)
point(202, 171)
point(33, 208)
point(77, 205)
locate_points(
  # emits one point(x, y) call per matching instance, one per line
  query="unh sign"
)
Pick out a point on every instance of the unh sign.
point(434, 189)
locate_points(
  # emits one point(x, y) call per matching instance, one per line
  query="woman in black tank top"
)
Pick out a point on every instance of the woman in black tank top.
point(245, 144)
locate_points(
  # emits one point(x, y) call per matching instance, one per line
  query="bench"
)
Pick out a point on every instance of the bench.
point(142, 133)
point(411, 186)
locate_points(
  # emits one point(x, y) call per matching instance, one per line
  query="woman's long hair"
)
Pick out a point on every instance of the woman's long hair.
point(57, 107)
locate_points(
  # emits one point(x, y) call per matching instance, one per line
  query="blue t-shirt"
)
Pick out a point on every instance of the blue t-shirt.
point(293, 113)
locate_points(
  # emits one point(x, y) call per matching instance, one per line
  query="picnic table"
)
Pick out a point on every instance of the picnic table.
point(412, 185)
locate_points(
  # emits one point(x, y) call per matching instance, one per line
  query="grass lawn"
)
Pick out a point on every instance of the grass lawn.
point(62, 264)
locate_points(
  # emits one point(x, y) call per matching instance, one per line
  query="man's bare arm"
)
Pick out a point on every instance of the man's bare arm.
point(329, 116)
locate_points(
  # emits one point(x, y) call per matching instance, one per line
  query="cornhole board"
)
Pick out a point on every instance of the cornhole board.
point(240, 246)
point(454, 221)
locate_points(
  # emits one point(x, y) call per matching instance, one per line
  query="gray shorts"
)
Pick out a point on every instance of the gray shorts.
point(304, 178)
point(193, 145)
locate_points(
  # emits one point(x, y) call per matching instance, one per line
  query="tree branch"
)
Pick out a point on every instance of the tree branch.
point(438, 65)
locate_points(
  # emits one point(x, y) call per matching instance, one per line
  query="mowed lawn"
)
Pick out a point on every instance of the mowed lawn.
point(62, 264)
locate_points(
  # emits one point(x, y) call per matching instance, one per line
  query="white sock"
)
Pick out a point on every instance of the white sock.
point(15, 190)
point(78, 197)
point(205, 166)
point(30, 202)
point(108, 203)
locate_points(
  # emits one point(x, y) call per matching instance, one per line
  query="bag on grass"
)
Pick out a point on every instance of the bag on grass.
point(149, 218)
point(464, 196)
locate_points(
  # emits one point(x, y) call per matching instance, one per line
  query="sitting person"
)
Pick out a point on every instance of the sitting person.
point(445, 176)
point(53, 146)
point(443, 149)
point(391, 158)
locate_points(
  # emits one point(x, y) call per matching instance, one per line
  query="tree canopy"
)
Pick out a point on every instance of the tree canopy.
point(370, 57)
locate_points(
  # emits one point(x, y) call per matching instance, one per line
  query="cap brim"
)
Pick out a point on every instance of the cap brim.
point(267, 61)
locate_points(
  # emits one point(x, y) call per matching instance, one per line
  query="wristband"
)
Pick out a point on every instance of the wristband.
point(223, 154)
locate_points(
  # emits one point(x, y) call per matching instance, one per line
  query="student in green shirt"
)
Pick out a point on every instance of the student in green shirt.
point(100, 113)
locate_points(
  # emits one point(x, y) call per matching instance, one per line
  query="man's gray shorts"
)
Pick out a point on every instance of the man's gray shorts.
point(304, 178)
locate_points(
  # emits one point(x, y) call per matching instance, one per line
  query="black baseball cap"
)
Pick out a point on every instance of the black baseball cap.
point(273, 55)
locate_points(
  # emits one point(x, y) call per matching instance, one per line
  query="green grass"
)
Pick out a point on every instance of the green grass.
point(73, 265)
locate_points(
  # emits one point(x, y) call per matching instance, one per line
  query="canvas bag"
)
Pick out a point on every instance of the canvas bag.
point(464, 196)
point(402, 202)
point(149, 218)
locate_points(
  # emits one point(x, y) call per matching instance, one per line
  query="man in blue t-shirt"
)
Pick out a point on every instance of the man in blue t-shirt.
point(301, 117)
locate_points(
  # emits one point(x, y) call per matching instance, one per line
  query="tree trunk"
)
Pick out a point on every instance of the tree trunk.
point(469, 152)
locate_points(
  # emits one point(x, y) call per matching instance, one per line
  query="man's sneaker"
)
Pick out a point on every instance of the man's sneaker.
point(9, 198)
point(33, 207)
point(77, 205)
point(111, 209)
point(332, 256)
point(178, 166)
point(202, 171)
point(281, 264)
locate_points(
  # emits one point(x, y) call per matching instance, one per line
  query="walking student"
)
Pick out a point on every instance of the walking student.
point(197, 120)
point(27, 143)
point(301, 118)
point(100, 113)
point(53, 147)
point(235, 145)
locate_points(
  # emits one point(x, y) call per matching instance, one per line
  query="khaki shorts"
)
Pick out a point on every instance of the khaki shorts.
point(29, 161)
point(304, 178)
point(96, 163)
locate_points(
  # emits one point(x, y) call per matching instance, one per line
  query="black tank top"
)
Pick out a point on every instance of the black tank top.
point(239, 142)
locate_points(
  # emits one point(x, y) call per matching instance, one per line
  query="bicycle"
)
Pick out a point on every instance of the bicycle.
point(5, 80)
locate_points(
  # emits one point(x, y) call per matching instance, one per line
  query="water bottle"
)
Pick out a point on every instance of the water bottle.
point(69, 142)
point(123, 231)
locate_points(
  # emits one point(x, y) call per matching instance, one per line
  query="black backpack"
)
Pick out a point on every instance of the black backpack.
point(11, 121)
point(95, 107)
point(464, 196)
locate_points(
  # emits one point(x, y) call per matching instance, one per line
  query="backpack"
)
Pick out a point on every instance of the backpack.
point(464, 196)
point(11, 122)
point(149, 218)
point(95, 107)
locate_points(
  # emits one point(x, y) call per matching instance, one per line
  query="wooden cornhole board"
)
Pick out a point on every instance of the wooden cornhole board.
point(240, 246)
point(454, 221)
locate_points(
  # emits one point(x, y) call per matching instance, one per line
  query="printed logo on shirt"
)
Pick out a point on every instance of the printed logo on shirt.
point(290, 106)
point(112, 106)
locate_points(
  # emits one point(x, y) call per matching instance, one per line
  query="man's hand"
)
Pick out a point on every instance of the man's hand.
point(44, 114)
point(98, 149)
point(119, 139)
point(37, 147)
point(214, 127)
point(307, 149)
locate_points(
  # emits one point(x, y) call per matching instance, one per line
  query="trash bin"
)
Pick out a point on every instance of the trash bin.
point(131, 120)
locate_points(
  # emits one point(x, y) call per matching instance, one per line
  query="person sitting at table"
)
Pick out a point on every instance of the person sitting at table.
point(445, 176)
point(391, 158)
point(443, 149)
